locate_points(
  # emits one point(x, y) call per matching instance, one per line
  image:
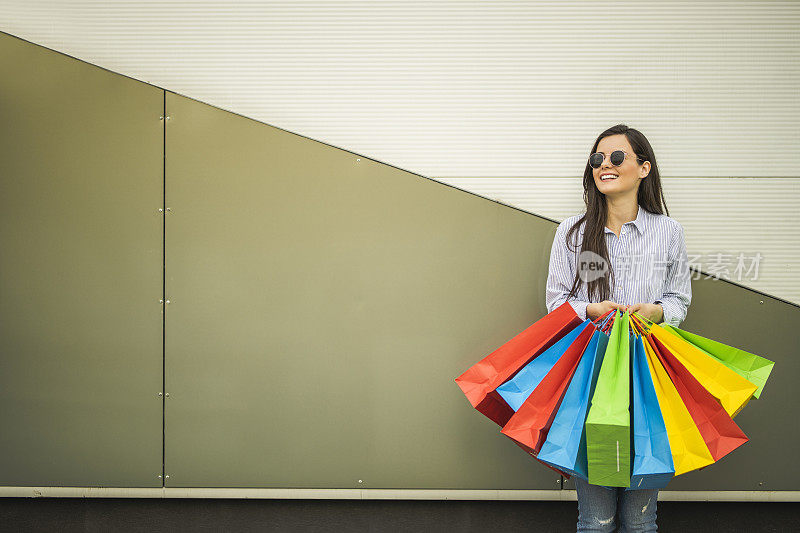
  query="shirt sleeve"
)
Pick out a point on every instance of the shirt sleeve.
point(678, 283)
point(561, 274)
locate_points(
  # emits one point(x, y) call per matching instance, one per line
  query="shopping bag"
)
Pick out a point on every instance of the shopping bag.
point(529, 425)
point(480, 381)
point(689, 450)
point(751, 367)
point(652, 459)
point(732, 390)
point(565, 445)
point(721, 434)
point(517, 389)
point(608, 422)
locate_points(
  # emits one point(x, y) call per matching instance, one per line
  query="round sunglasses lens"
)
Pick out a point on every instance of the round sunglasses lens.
point(617, 157)
point(595, 160)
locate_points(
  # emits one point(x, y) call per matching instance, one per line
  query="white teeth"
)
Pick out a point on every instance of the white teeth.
point(605, 177)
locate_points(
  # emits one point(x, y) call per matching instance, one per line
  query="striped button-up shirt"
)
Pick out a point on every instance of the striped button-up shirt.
point(648, 258)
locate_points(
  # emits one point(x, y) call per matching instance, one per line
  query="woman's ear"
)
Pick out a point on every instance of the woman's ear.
point(646, 169)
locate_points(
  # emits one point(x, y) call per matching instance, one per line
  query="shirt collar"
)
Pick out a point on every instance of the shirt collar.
point(639, 223)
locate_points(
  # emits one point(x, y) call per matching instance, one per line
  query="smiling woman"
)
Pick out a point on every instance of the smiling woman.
point(643, 267)
point(642, 249)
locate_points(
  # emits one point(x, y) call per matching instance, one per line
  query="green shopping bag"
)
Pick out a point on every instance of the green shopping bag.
point(751, 367)
point(608, 424)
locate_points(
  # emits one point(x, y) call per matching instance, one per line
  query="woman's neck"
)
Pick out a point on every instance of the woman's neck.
point(620, 211)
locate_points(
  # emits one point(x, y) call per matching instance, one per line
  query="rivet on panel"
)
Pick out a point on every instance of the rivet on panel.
point(160, 209)
point(160, 394)
point(167, 301)
point(761, 302)
point(167, 476)
point(169, 209)
point(360, 481)
point(357, 160)
point(167, 395)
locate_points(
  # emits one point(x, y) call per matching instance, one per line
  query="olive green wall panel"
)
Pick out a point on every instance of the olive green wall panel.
point(321, 306)
point(81, 238)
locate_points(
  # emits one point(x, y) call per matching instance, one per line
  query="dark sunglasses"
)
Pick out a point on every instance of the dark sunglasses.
point(616, 158)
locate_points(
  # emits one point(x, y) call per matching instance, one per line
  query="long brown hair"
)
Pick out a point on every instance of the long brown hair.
point(650, 197)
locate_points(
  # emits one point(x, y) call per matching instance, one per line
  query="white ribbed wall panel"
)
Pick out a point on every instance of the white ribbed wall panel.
point(492, 88)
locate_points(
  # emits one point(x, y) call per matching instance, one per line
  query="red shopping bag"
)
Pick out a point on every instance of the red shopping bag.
point(530, 424)
point(480, 381)
point(721, 434)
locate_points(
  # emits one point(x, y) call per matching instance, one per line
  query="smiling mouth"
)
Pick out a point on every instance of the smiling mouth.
point(608, 177)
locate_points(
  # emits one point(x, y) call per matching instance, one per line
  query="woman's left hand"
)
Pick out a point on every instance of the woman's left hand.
point(653, 312)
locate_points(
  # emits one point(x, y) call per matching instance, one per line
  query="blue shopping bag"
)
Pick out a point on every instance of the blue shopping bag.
point(517, 389)
point(652, 457)
point(565, 447)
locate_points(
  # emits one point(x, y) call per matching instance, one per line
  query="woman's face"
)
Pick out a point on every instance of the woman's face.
point(626, 177)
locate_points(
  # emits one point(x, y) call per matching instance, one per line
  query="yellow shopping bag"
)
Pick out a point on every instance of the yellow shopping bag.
point(752, 367)
point(731, 389)
point(689, 450)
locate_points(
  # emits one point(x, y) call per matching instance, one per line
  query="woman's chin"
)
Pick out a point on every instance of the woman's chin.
point(611, 189)
point(607, 188)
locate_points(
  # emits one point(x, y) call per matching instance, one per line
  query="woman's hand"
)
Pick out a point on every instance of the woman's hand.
point(597, 310)
point(653, 312)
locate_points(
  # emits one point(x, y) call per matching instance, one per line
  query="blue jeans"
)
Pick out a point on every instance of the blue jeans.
point(597, 508)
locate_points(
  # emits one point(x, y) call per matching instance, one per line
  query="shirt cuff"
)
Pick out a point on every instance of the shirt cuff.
point(672, 313)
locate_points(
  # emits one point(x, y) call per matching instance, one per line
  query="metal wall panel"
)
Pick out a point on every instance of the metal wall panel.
point(321, 306)
point(81, 181)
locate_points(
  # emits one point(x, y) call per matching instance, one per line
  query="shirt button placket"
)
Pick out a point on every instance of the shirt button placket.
point(623, 273)
point(626, 274)
point(615, 247)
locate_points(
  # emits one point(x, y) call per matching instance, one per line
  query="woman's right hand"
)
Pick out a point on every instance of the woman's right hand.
point(596, 310)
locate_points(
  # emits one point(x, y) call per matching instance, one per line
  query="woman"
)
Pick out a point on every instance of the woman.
point(631, 256)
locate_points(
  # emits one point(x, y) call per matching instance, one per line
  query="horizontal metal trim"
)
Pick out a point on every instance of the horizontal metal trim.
point(379, 494)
